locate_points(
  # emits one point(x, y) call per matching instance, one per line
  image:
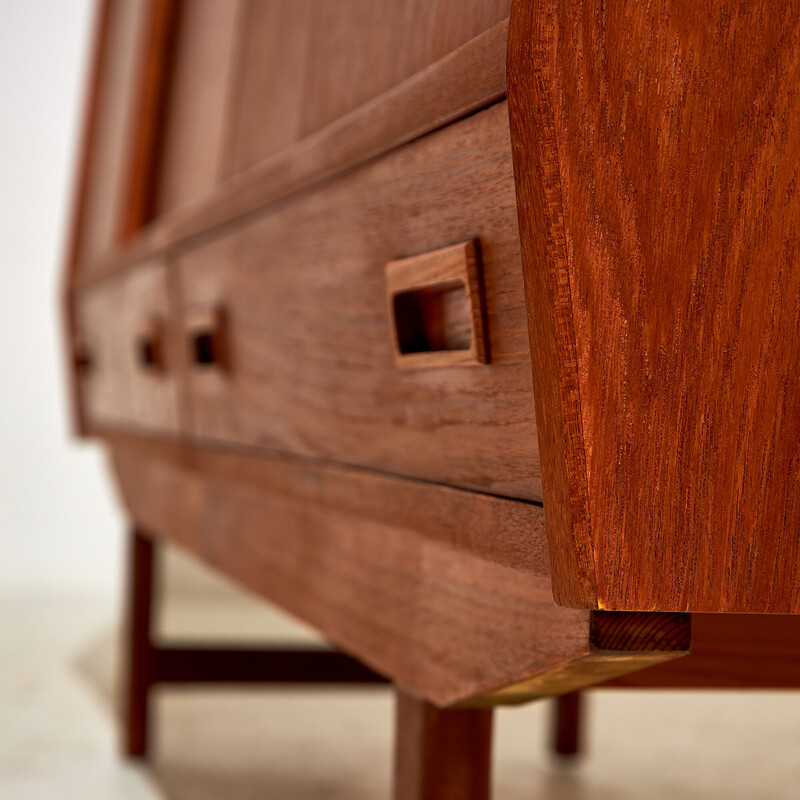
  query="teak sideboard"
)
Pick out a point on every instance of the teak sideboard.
point(467, 331)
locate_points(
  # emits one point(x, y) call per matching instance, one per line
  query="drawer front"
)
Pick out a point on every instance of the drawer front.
point(128, 377)
point(294, 320)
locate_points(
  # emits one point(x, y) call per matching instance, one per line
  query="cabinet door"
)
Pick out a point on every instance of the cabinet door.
point(191, 158)
point(306, 63)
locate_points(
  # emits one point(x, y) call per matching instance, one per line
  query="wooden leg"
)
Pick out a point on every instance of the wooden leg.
point(567, 724)
point(138, 667)
point(441, 754)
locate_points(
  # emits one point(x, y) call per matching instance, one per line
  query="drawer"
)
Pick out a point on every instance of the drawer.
point(299, 320)
point(128, 375)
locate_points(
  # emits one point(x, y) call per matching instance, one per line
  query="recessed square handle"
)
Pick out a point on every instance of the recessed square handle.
point(206, 338)
point(149, 346)
point(437, 309)
point(82, 356)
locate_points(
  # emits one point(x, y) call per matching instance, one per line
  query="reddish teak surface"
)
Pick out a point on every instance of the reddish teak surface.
point(656, 159)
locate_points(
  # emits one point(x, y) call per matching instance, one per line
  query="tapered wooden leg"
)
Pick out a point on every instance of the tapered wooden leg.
point(139, 658)
point(567, 724)
point(441, 754)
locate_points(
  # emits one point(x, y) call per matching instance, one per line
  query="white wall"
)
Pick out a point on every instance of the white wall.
point(59, 523)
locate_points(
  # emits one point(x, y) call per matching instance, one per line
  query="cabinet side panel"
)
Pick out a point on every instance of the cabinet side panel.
point(547, 287)
point(674, 132)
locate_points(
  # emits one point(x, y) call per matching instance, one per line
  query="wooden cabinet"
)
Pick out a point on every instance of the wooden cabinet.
point(415, 316)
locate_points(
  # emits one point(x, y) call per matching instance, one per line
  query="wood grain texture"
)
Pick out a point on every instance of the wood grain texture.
point(163, 85)
point(118, 321)
point(619, 643)
point(142, 141)
point(107, 172)
point(443, 333)
point(311, 360)
point(441, 754)
point(470, 78)
point(307, 63)
point(74, 350)
point(444, 591)
point(730, 651)
point(199, 83)
point(552, 345)
point(273, 59)
point(655, 149)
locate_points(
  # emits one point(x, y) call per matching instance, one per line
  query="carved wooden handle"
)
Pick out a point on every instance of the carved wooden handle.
point(436, 305)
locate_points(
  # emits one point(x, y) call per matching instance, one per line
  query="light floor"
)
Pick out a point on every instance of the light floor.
point(57, 732)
